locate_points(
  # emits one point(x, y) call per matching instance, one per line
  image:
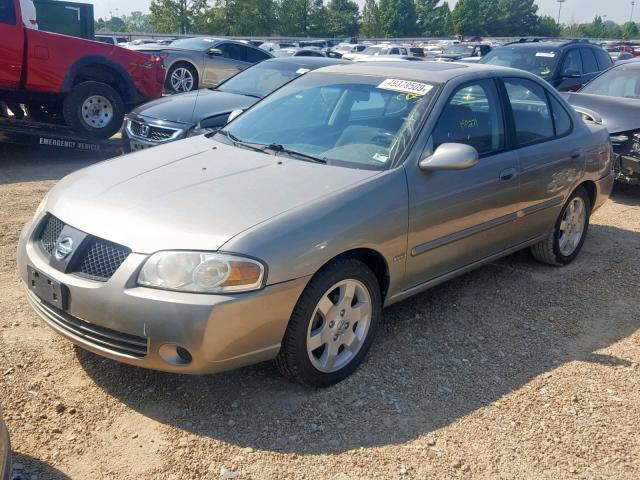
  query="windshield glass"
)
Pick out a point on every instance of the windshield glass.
point(617, 82)
point(539, 61)
point(351, 120)
point(375, 51)
point(194, 43)
point(262, 79)
point(459, 49)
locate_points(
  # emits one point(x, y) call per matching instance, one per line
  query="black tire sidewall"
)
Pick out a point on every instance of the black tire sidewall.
point(560, 258)
point(325, 279)
point(167, 84)
point(72, 109)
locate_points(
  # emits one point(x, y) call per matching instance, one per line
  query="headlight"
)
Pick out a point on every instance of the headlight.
point(201, 272)
point(198, 130)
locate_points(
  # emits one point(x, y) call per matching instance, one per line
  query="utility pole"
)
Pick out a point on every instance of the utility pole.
point(560, 2)
point(633, 4)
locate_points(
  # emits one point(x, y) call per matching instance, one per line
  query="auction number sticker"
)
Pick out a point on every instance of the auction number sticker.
point(405, 86)
point(545, 54)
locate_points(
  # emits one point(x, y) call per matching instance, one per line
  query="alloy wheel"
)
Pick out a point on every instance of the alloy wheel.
point(339, 325)
point(182, 80)
point(572, 226)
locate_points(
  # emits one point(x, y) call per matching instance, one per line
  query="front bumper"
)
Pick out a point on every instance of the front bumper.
point(627, 169)
point(145, 132)
point(142, 326)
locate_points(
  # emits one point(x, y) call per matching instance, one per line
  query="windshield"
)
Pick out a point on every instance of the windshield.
point(262, 79)
point(375, 51)
point(617, 82)
point(194, 43)
point(459, 49)
point(351, 120)
point(539, 61)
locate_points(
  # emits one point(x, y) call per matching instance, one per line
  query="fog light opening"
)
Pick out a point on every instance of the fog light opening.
point(175, 354)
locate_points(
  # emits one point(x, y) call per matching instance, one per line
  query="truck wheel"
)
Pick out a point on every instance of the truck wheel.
point(182, 77)
point(94, 109)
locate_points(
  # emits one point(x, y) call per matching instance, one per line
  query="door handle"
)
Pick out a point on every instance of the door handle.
point(508, 174)
point(576, 154)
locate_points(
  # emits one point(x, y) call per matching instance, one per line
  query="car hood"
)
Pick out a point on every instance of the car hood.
point(618, 114)
point(191, 107)
point(195, 194)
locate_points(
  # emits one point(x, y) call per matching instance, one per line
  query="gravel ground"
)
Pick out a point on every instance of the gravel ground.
point(516, 370)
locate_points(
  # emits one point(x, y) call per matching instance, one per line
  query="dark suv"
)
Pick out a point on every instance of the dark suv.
point(566, 65)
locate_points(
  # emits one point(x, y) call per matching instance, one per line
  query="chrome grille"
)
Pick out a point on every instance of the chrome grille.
point(102, 259)
point(102, 337)
point(98, 261)
point(157, 134)
point(50, 233)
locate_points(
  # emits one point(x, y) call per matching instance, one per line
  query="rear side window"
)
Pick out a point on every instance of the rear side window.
point(589, 62)
point(531, 113)
point(7, 12)
point(394, 51)
point(604, 59)
point(254, 55)
point(472, 116)
point(561, 119)
point(572, 62)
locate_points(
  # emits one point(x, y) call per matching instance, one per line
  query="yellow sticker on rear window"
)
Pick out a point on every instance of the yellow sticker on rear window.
point(405, 86)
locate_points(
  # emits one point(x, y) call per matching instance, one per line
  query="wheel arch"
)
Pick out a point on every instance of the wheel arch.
point(591, 189)
point(101, 69)
point(372, 259)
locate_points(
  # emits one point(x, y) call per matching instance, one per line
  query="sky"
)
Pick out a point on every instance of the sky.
point(573, 11)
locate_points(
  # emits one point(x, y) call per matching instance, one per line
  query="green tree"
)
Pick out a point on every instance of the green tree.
point(115, 24)
point(548, 27)
point(397, 18)
point(292, 17)
point(466, 17)
point(317, 19)
point(137, 22)
point(175, 15)
point(243, 17)
point(370, 26)
point(517, 17)
point(630, 31)
point(489, 11)
point(342, 18)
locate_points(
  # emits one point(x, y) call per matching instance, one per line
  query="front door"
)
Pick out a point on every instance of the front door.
point(11, 46)
point(458, 217)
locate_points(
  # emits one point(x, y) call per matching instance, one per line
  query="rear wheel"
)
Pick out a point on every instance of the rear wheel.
point(181, 78)
point(333, 325)
point(94, 109)
point(570, 230)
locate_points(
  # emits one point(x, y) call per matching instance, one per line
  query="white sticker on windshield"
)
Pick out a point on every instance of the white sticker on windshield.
point(380, 158)
point(545, 54)
point(300, 71)
point(405, 86)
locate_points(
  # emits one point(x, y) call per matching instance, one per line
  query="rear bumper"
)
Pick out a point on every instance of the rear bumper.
point(603, 190)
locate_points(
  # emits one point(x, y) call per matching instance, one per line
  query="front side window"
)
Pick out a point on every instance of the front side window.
point(7, 12)
point(572, 63)
point(531, 113)
point(351, 120)
point(472, 116)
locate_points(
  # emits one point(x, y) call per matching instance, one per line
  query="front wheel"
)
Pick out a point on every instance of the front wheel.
point(94, 109)
point(569, 232)
point(332, 325)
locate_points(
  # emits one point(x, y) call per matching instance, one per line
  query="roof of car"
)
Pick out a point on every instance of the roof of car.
point(437, 72)
point(314, 62)
point(549, 43)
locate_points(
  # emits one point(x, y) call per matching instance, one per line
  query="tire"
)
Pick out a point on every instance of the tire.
point(185, 71)
point(347, 332)
point(551, 250)
point(94, 109)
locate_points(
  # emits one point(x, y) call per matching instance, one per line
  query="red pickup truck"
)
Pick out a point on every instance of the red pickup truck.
point(89, 85)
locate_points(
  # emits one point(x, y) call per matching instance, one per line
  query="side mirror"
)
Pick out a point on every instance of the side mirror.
point(214, 52)
point(234, 114)
point(571, 74)
point(450, 156)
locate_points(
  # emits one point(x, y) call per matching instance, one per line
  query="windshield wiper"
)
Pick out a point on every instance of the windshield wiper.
point(276, 147)
point(257, 147)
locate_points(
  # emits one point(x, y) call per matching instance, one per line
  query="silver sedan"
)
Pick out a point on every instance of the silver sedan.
point(284, 235)
point(194, 63)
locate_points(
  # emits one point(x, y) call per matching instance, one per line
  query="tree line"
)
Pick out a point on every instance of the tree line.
point(341, 18)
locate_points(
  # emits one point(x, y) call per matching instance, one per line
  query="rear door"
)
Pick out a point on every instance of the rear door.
point(11, 46)
point(458, 217)
point(589, 64)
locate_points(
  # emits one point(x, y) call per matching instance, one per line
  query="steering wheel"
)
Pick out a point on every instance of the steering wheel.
point(384, 140)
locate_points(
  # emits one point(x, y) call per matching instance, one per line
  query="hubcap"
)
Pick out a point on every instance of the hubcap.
point(339, 325)
point(181, 80)
point(97, 111)
point(572, 226)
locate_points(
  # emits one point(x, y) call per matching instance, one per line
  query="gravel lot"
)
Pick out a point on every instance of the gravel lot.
point(516, 370)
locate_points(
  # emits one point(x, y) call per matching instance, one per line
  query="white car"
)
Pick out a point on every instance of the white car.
point(376, 50)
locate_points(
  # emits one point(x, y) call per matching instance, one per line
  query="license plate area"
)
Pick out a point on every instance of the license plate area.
point(48, 289)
